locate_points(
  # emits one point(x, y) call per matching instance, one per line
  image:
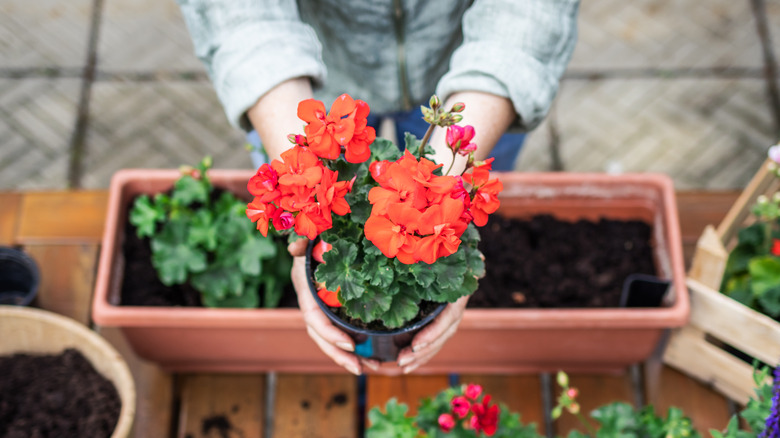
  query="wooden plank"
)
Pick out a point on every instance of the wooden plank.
point(62, 217)
point(10, 205)
point(221, 405)
point(521, 394)
point(153, 389)
point(67, 277)
point(709, 261)
point(406, 389)
point(315, 406)
point(764, 181)
point(706, 408)
point(594, 390)
point(698, 209)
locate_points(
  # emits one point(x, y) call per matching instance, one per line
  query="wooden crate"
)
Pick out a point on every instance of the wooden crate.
point(701, 349)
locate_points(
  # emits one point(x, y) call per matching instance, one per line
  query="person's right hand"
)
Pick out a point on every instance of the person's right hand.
point(332, 341)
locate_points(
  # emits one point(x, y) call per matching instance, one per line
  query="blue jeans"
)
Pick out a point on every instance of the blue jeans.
point(505, 152)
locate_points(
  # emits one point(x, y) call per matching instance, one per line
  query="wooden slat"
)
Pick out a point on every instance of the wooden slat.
point(221, 405)
point(764, 181)
point(10, 203)
point(67, 276)
point(521, 394)
point(153, 389)
point(709, 261)
point(62, 217)
point(315, 406)
point(405, 389)
point(706, 408)
point(594, 391)
point(696, 210)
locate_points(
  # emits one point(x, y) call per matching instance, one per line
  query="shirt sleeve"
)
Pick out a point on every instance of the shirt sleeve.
point(514, 49)
point(250, 46)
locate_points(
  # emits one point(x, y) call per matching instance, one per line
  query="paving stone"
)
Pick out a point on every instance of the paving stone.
point(145, 35)
point(616, 34)
point(44, 33)
point(157, 125)
point(36, 123)
point(704, 133)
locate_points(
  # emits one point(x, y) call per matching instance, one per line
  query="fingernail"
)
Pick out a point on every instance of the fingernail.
point(418, 347)
point(411, 368)
point(371, 364)
point(352, 368)
point(345, 346)
point(405, 361)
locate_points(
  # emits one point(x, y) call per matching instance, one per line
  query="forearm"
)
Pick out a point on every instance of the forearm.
point(275, 114)
point(490, 115)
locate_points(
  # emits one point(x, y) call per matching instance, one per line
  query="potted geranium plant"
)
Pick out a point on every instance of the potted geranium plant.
point(400, 233)
point(735, 282)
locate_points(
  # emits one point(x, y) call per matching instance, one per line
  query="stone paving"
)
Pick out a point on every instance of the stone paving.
point(679, 87)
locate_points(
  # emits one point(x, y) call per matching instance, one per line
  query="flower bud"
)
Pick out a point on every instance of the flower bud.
point(574, 408)
point(762, 199)
point(291, 138)
point(556, 412)
point(572, 393)
point(563, 379)
point(458, 107)
point(207, 161)
point(428, 115)
point(434, 102)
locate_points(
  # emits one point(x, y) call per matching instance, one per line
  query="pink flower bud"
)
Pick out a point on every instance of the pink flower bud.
point(458, 107)
point(472, 391)
point(283, 220)
point(446, 422)
point(572, 393)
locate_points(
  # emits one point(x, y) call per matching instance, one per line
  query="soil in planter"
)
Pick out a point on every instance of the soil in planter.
point(142, 287)
point(544, 262)
point(55, 396)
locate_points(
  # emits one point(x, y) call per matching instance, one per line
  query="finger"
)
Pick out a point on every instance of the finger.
point(370, 363)
point(409, 359)
point(311, 312)
point(349, 361)
point(297, 248)
point(451, 315)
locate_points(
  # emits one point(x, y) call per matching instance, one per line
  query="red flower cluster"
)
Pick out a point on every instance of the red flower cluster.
point(484, 417)
point(344, 126)
point(298, 191)
point(775, 247)
point(419, 216)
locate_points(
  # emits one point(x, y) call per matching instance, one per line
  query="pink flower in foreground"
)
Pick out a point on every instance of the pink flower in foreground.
point(446, 422)
point(460, 406)
point(473, 391)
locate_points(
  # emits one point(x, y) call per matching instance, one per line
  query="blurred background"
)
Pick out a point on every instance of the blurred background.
point(682, 87)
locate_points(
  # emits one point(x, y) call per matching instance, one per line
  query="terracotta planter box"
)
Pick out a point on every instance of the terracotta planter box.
point(698, 349)
point(488, 341)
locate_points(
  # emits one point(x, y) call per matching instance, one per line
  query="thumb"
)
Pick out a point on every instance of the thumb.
point(298, 247)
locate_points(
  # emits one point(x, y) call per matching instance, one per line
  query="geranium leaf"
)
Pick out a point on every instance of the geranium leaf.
point(145, 215)
point(173, 257)
point(338, 270)
point(255, 249)
point(202, 230)
point(369, 307)
point(764, 273)
point(384, 149)
point(423, 273)
point(404, 307)
point(219, 282)
point(187, 190)
point(770, 301)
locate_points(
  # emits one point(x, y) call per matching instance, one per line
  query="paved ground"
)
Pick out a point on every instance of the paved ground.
point(680, 87)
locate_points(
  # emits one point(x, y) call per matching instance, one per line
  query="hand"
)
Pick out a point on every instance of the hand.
point(332, 341)
point(428, 341)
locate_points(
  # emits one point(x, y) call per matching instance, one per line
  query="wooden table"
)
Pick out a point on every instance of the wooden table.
point(62, 232)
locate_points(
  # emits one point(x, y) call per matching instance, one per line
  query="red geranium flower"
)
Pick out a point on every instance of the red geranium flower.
point(460, 406)
point(357, 150)
point(446, 422)
point(261, 213)
point(330, 298)
point(325, 133)
point(775, 247)
point(485, 418)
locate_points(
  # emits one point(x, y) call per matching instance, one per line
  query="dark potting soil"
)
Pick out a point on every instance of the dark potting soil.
point(58, 396)
point(545, 262)
point(142, 287)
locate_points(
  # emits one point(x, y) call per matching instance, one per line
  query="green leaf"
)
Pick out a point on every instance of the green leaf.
point(403, 309)
point(393, 423)
point(173, 257)
point(615, 419)
point(219, 282)
point(338, 270)
point(369, 307)
point(384, 149)
point(202, 230)
point(187, 190)
point(251, 253)
point(145, 215)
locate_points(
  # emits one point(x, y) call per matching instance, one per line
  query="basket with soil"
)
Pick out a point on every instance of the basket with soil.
point(60, 379)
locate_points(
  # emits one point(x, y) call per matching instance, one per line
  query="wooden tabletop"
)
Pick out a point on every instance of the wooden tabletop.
point(62, 232)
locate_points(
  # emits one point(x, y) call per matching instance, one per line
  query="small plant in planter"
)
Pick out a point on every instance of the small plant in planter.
point(199, 234)
point(464, 411)
point(752, 274)
point(400, 234)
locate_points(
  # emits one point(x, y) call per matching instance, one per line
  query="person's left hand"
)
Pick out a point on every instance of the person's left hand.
point(428, 341)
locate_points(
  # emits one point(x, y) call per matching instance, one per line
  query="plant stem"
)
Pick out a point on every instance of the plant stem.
point(425, 139)
point(585, 423)
point(452, 163)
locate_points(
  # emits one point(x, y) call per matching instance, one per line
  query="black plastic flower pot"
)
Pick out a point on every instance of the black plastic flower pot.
point(19, 277)
point(383, 346)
